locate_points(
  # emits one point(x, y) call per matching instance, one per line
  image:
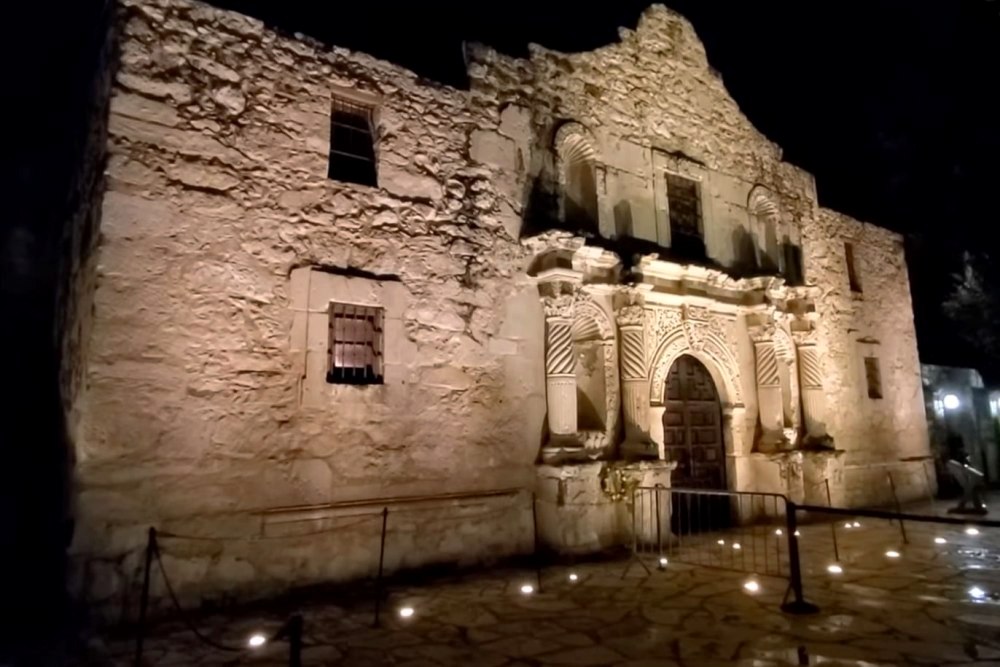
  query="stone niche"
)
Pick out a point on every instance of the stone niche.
point(586, 507)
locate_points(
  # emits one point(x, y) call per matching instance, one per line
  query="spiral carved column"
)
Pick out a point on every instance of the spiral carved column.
point(813, 400)
point(769, 400)
point(560, 376)
point(635, 383)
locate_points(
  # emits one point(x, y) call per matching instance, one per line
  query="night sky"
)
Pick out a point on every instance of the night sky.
point(893, 105)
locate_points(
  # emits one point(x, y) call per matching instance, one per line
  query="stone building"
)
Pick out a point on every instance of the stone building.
point(325, 286)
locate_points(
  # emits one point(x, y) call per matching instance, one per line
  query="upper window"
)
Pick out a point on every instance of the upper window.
point(684, 204)
point(873, 377)
point(355, 344)
point(852, 268)
point(352, 143)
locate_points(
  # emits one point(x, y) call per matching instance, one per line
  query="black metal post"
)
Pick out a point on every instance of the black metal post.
point(659, 533)
point(381, 562)
point(799, 604)
point(899, 510)
point(536, 556)
point(833, 524)
point(295, 641)
point(144, 598)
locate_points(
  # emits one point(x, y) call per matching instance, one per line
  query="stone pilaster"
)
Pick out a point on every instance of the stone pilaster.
point(769, 399)
point(635, 382)
point(813, 399)
point(560, 376)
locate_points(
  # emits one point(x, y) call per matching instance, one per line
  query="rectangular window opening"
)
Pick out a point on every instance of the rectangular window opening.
point(852, 268)
point(352, 143)
point(684, 205)
point(354, 355)
point(873, 377)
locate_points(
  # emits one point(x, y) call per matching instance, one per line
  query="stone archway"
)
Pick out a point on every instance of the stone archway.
point(692, 426)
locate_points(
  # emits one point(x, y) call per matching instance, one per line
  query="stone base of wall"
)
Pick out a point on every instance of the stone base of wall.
point(584, 507)
point(236, 558)
point(868, 485)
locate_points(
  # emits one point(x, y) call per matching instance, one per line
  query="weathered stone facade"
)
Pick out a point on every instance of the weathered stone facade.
point(538, 283)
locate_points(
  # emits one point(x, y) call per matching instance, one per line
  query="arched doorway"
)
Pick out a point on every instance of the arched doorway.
point(692, 436)
point(692, 426)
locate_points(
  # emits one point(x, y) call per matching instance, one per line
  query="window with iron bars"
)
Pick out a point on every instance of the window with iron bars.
point(355, 344)
point(352, 143)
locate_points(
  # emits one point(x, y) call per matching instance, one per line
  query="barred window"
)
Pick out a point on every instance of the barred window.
point(355, 344)
point(352, 143)
point(685, 206)
point(873, 377)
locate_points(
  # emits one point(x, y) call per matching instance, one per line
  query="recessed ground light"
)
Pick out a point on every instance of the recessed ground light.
point(572, 576)
point(737, 546)
point(977, 593)
point(721, 542)
point(527, 589)
point(848, 524)
point(971, 530)
point(834, 568)
point(405, 612)
point(751, 586)
point(778, 531)
point(856, 524)
point(798, 534)
point(940, 540)
point(256, 640)
point(663, 562)
point(891, 554)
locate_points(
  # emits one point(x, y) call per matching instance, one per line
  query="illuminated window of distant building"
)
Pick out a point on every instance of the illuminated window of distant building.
point(852, 268)
point(352, 143)
point(355, 344)
point(873, 377)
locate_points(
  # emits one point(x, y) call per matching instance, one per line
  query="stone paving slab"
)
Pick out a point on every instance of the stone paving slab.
point(913, 610)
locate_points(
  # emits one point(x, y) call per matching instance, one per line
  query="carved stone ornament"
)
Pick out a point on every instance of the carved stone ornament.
point(631, 316)
point(560, 306)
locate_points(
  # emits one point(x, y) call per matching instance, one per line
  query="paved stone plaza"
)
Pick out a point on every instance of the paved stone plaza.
point(936, 604)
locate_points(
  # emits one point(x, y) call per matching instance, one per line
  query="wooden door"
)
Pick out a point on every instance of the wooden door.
point(692, 427)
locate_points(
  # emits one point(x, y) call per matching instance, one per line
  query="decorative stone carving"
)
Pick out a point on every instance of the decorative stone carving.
point(635, 388)
point(560, 378)
point(813, 399)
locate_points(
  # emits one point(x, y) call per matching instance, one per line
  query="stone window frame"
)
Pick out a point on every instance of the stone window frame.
point(666, 163)
point(874, 389)
point(371, 106)
point(311, 291)
point(372, 343)
point(852, 264)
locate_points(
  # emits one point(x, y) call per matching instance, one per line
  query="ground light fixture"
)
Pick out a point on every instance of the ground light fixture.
point(778, 532)
point(663, 562)
point(971, 530)
point(527, 589)
point(751, 586)
point(940, 540)
point(848, 525)
point(256, 640)
point(406, 612)
point(721, 542)
point(798, 534)
point(892, 553)
point(977, 593)
point(737, 546)
point(573, 576)
point(856, 524)
point(834, 568)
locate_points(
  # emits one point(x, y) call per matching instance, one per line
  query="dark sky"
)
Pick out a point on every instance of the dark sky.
point(893, 105)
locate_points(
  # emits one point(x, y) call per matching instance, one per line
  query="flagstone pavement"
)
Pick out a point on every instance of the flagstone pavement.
point(937, 603)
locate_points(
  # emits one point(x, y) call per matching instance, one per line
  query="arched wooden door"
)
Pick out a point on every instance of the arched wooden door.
point(692, 426)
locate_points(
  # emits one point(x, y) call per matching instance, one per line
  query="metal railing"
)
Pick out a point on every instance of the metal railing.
point(742, 531)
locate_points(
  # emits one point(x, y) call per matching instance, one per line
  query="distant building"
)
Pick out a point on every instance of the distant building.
point(958, 404)
point(325, 285)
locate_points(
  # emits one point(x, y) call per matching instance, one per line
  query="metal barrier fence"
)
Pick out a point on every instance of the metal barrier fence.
point(740, 531)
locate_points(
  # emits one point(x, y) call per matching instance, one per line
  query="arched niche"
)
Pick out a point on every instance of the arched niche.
point(576, 161)
point(596, 368)
point(765, 228)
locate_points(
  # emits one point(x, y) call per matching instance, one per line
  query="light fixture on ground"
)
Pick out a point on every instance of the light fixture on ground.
point(951, 402)
point(405, 612)
point(834, 568)
point(527, 589)
point(256, 640)
point(751, 586)
point(778, 532)
point(721, 542)
point(798, 534)
point(848, 524)
point(856, 524)
point(977, 593)
point(663, 562)
point(737, 546)
point(892, 553)
point(940, 540)
point(971, 530)
point(573, 576)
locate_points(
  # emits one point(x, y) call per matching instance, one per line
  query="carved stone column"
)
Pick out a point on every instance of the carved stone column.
point(813, 399)
point(635, 382)
point(560, 376)
point(769, 399)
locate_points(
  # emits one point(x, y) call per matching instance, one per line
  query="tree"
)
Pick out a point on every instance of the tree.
point(974, 306)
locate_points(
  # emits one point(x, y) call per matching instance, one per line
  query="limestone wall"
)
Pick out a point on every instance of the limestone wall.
point(194, 418)
point(877, 322)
